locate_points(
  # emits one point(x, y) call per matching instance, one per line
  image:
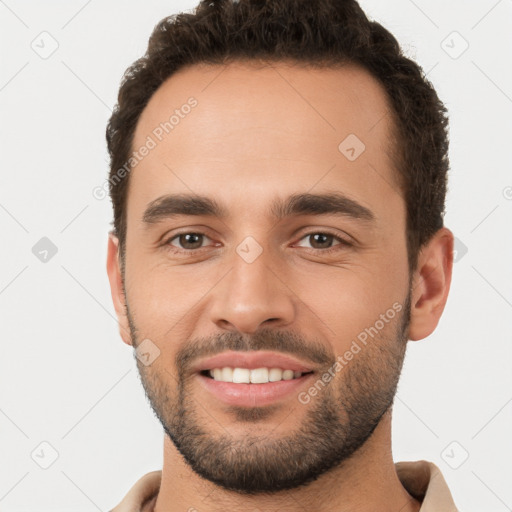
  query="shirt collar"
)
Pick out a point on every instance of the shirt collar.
point(422, 480)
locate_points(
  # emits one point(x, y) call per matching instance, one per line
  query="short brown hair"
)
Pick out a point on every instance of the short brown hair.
point(319, 33)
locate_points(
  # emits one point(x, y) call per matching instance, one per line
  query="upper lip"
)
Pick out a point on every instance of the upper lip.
point(252, 360)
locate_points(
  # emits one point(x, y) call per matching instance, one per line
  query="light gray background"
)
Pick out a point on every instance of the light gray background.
point(67, 379)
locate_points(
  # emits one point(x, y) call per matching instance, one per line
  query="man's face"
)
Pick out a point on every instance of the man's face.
point(301, 280)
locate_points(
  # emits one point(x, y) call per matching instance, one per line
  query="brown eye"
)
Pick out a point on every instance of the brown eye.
point(320, 240)
point(323, 241)
point(188, 241)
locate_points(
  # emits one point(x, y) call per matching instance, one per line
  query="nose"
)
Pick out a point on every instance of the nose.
point(251, 296)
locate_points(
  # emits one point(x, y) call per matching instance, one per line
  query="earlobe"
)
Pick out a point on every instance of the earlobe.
point(116, 287)
point(431, 284)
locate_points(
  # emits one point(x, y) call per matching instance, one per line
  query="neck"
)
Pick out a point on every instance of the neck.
point(366, 482)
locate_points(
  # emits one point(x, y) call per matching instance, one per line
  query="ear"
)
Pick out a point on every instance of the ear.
point(116, 287)
point(431, 284)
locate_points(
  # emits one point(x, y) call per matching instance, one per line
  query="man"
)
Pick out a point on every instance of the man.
point(278, 175)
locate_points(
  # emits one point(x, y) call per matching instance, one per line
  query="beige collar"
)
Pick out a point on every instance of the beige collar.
point(422, 480)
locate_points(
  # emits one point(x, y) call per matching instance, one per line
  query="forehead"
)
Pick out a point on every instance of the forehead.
point(246, 126)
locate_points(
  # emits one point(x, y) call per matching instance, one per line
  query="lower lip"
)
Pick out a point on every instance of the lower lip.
point(253, 395)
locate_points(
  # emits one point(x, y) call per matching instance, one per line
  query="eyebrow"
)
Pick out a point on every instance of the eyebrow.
point(173, 205)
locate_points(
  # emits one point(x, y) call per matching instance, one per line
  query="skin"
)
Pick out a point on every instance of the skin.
point(257, 133)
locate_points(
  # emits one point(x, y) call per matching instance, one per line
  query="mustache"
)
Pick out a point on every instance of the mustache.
point(287, 342)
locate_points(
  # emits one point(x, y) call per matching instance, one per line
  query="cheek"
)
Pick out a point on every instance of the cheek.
point(341, 303)
point(163, 297)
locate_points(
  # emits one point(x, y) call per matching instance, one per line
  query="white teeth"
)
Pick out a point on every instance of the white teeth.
point(275, 374)
point(259, 375)
point(227, 374)
point(255, 376)
point(241, 375)
point(288, 375)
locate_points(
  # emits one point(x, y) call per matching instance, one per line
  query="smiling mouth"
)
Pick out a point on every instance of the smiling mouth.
point(252, 376)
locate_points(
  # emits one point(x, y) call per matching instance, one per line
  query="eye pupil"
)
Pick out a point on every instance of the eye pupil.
point(185, 239)
point(323, 238)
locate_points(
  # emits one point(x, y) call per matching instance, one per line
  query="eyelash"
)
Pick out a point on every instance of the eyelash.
point(343, 242)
